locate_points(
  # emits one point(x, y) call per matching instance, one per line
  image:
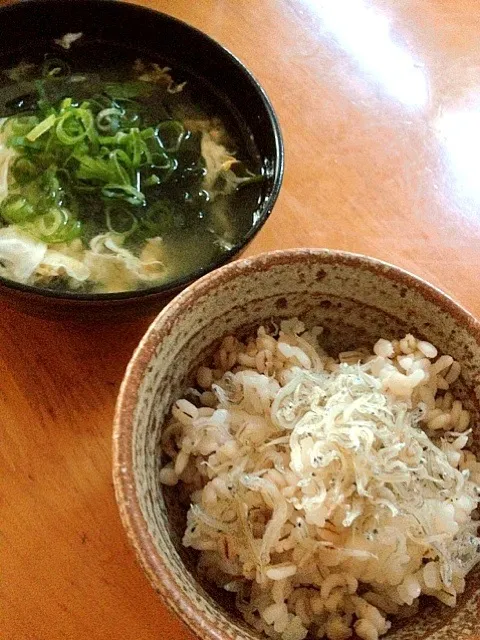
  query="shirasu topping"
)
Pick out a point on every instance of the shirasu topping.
point(322, 493)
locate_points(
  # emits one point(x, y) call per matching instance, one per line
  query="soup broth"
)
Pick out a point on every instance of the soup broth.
point(118, 172)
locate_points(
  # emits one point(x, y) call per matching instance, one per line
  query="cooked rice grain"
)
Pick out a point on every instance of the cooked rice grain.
point(327, 495)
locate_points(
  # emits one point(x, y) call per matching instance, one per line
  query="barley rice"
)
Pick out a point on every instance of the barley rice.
point(261, 523)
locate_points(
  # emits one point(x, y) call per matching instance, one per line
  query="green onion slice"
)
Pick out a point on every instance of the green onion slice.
point(171, 134)
point(124, 192)
point(16, 209)
point(108, 120)
point(74, 125)
point(119, 219)
point(23, 170)
point(55, 226)
point(41, 128)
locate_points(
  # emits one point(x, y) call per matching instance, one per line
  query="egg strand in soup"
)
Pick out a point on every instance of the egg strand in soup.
point(112, 182)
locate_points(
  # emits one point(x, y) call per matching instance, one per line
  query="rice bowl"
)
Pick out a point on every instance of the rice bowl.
point(357, 300)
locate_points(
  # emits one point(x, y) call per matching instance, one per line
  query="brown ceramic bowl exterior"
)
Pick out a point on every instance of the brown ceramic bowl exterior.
point(357, 300)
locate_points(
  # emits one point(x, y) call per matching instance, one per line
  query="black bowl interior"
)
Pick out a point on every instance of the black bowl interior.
point(37, 23)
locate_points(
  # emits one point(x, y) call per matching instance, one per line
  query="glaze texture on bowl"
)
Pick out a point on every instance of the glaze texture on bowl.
point(357, 300)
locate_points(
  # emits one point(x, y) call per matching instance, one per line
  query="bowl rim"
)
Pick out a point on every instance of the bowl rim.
point(264, 210)
point(156, 568)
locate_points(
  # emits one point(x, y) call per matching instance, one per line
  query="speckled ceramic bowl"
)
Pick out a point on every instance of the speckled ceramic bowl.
point(357, 299)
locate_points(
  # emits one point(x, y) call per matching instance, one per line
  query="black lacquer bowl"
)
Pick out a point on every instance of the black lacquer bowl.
point(153, 35)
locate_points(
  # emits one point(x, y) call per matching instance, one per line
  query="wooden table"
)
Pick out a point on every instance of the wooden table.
point(380, 110)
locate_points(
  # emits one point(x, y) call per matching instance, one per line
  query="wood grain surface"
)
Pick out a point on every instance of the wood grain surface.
point(380, 107)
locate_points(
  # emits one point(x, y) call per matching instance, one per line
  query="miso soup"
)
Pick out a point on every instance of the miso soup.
point(117, 172)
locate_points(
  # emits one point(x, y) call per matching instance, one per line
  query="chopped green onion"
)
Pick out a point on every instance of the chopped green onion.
point(124, 192)
point(41, 128)
point(120, 220)
point(118, 138)
point(21, 125)
point(163, 166)
point(50, 223)
point(97, 169)
point(16, 209)
point(74, 125)
point(152, 181)
point(23, 170)
point(171, 134)
point(161, 161)
point(146, 134)
point(55, 226)
point(65, 104)
point(159, 218)
point(137, 147)
point(16, 141)
point(108, 119)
